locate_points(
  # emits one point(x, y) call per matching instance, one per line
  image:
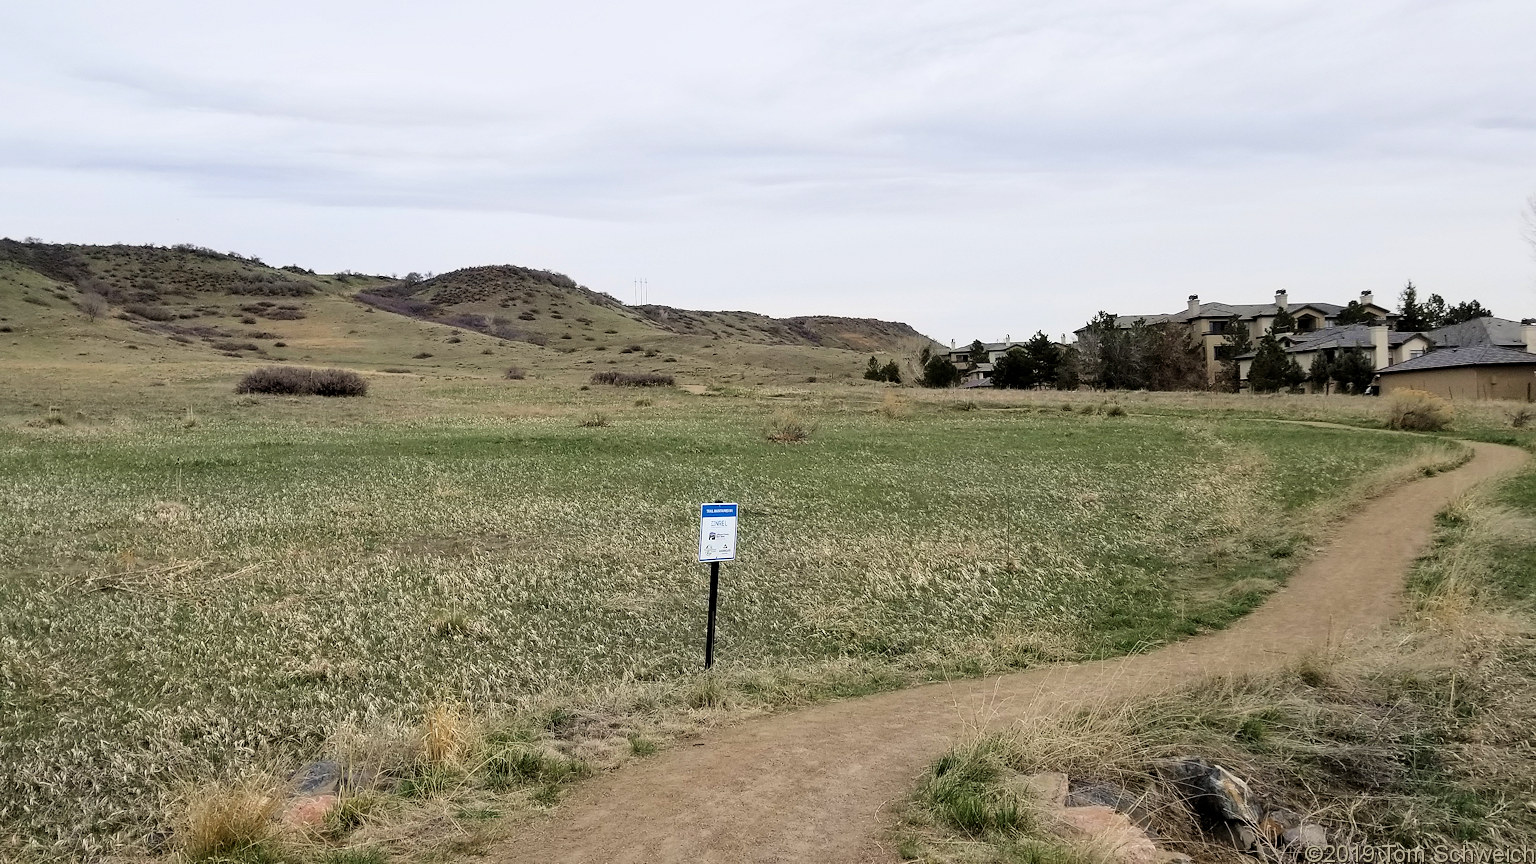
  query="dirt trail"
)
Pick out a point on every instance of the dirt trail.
point(813, 785)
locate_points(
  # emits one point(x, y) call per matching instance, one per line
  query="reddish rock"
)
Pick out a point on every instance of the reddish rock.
point(1113, 832)
point(308, 812)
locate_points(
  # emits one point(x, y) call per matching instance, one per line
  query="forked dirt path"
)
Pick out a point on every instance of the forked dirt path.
point(814, 785)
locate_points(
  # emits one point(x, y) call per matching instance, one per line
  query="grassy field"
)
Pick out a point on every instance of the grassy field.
point(197, 583)
point(1417, 738)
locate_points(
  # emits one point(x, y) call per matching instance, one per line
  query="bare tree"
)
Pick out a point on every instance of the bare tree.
point(92, 305)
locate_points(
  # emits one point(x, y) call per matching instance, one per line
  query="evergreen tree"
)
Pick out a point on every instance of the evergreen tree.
point(1238, 342)
point(1267, 372)
point(872, 371)
point(1013, 370)
point(1320, 371)
point(1434, 312)
point(1464, 312)
point(1285, 322)
point(1044, 358)
point(891, 372)
point(1410, 313)
point(1353, 371)
point(1294, 375)
point(940, 372)
point(1354, 313)
point(923, 355)
point(1069, 370)
point(978, 352)
point(1170, 359)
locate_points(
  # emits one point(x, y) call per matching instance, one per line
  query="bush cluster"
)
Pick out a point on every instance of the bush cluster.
point(633, 379)
point(303, 381)
point(1418, 411)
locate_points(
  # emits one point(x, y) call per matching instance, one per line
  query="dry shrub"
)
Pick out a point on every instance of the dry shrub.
point(1418, 411)
point(446, 735)
point(594, 420)
point(516, 373)
point(1521, 417)
point(894, 407)
point(633, 379)
point(224, 819)
point(789, 427)
point(303, 381)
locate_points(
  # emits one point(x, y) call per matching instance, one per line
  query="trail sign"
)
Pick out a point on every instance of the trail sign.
point(717, 532)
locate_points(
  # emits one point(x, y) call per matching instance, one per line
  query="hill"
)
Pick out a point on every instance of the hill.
point(188, 302)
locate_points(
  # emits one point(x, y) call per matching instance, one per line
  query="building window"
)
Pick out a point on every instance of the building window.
point(1223, 352)
point(1219, 326)
point(1306, 323)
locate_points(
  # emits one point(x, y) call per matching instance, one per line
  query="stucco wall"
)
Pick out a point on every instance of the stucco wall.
point(1477, 382)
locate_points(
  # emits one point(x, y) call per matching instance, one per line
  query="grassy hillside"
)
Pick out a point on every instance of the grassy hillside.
point(189, 304)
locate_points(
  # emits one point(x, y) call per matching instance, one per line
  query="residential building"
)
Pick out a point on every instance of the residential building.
point(1474, 370)
point(1208, 322)
point(1384, 346)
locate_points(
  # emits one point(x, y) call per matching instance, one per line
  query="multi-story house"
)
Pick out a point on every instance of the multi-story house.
point(1208, 322)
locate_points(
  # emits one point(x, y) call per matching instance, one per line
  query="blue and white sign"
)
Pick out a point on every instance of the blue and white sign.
point(717, 532)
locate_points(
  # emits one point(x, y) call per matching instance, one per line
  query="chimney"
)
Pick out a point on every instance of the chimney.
point(1379, 342)
point(1194, 304)
point(1281, 300)
point(1366, 298)
point(1529, 332)
point(951, 344)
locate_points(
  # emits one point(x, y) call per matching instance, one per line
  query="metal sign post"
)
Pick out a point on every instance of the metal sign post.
point(717, 542)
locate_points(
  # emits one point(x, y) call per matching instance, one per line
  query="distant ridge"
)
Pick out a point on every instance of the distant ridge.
point(191, 298)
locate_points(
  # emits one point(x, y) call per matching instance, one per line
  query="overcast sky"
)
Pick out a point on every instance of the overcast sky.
point(977, 168)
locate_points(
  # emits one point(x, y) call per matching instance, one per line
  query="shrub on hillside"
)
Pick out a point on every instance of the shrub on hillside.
point(516, 373)
point(153, 313)
point(789, 427)
point(1418, 411)
point(303, 381)
point(633, 379)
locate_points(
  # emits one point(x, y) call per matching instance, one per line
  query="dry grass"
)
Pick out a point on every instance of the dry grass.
point(1418, 411)
point(1418, 737)
point(894, 406)
point(223, 820)
point(790, 427)
point(446, 734)
point(425, 505)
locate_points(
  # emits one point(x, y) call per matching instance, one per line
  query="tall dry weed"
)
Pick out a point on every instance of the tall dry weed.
point(222, 820)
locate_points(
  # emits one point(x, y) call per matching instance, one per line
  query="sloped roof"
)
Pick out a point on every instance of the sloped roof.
point(1481, 331)
point(1451, 358)
point(1349, 336)
point(1227, 310)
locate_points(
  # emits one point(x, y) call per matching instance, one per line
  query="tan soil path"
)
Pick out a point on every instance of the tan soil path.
point(815, 785)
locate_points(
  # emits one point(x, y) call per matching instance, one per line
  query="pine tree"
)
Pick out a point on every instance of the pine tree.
point(1354, 313)
point(1410, 313)
point(1267, 372)
point(1320, 371)
point(978, 352)
point(1044, 358)
point(891, 372)
point(872, 371)
point(939, 372)
point(1238, 342)
point(1464, 312)
point(1353, 371)
point(1294, 375)
point(1013, 371)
